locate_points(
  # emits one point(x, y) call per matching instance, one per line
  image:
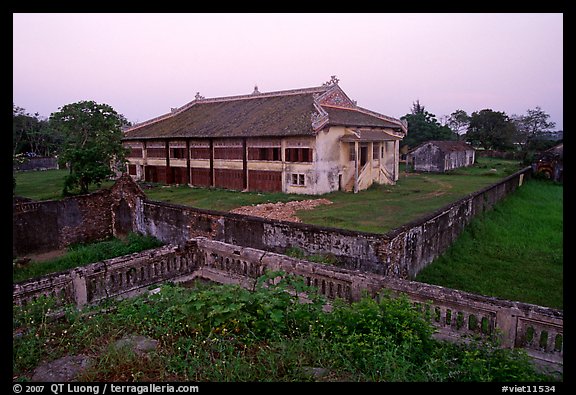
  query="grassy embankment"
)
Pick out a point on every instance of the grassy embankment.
point(514, 251)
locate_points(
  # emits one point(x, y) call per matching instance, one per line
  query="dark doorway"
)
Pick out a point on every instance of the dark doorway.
point(363, 155)
point(122, 219)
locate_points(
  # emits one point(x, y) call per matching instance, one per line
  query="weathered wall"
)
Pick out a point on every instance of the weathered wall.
point(455, 314)
point(55, 224)
point(403, 252)
point(406, 250)
point(50, 225)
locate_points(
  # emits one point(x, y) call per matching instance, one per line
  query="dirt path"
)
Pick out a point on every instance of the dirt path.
point(45, 256)
point(280, 211)
point(443, 188)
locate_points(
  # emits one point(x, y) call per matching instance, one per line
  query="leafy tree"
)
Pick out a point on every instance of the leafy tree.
point(491, 130)
point(92, 146)
point(458, 121)
point(532, 126)
point(423, 126)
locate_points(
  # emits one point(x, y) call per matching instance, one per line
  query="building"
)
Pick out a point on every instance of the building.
point(308, 141)
point(440, 156)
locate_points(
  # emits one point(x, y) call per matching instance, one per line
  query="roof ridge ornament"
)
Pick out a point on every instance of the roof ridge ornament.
point(333, 81)
point(199, 96)
point(256, 91)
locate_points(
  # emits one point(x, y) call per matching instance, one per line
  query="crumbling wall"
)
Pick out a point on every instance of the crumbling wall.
point(457, 315)
point(402, 252)
point(56, 224)
point(406, 250)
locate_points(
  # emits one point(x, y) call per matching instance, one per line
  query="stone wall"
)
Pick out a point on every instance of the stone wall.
point(455, 314)
point(56, 224)
point(37, 163)
point(406, 250)
point(402, 252)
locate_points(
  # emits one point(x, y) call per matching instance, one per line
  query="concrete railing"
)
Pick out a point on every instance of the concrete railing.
point(118, 277)
point(455, 314)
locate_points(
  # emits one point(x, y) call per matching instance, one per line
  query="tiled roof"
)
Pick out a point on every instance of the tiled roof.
point(447, 146)
point(356, 118)
point(273, 114)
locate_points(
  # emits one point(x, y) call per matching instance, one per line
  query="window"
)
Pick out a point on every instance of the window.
point(298, 154)
point(375, 151)
point(230, 152)
point(272, 153)
point(178, 153)
point(297, 179)
point(352, 152)
point(200, 153)
point(135, 152)
point(156, 152)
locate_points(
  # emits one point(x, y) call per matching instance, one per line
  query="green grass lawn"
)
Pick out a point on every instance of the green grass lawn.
point(216, 199)
point(45, 185)
point(514, 251)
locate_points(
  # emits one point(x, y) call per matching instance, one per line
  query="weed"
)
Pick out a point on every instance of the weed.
point(83, 254)
point(227, 333)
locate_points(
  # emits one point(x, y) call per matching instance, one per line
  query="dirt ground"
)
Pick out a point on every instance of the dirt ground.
point(44, 256)
point(280, 211)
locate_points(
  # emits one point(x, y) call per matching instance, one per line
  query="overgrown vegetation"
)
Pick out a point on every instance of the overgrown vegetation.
point(83, 254)
point(515, 251)
point(227, 333)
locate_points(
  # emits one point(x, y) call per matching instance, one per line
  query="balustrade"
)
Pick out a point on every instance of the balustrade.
point(453, 313)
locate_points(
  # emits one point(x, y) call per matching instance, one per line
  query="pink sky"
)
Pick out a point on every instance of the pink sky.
point(144, 64)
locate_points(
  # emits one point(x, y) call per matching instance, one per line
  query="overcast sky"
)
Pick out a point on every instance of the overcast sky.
point(144, 64)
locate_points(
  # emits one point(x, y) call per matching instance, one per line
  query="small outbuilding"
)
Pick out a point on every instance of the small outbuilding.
point(440, 156)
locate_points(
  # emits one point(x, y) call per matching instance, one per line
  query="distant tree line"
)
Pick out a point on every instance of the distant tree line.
point(486, 129)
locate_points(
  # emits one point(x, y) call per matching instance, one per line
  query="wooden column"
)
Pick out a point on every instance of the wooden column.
point(244, 164)
point(188, 177)
point(211, 162)
point(356, 164)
